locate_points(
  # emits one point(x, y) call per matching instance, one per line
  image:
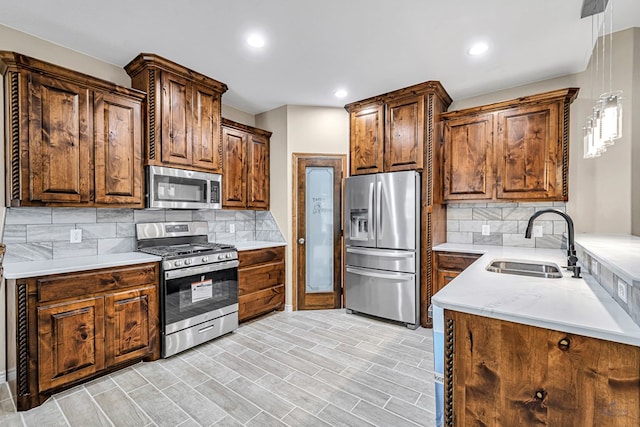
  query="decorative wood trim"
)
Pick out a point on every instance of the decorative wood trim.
point(143, 60)
point(448, 372)
point(151, 99)
point(15, 134)
point(428, 167)
point(568, 94)
point(431, 86)
point(22, 330)
point(246, 128)
point(565, 151)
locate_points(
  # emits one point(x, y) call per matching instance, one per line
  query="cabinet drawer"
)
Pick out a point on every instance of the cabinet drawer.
point(455, 261)
point(260, 302)
point(75, 285)
point(260, 256)
point(253, 279)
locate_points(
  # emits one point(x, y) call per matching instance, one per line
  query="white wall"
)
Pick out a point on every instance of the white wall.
point(318, 130)
point(635, 119)
point(238, 116)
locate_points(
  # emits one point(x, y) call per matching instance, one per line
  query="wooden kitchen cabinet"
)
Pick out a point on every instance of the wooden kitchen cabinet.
point(183, 114)
point(72, 139)
point(448, 265)
point(387, 132)
point(499, 373)
point(245, 159)
point(261, 282)
point(69, 328)
point(513, 150)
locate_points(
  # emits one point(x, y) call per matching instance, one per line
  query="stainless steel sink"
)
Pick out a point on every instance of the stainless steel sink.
point(542, 269)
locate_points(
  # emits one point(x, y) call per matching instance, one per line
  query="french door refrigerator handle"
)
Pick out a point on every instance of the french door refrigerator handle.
point(379, 212)
point(370, 212)
point(378, 253)
point(393, 276)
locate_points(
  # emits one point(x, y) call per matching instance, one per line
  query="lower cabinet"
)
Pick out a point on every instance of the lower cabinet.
point(261, 278)
point(73, 327)
point(500, 373)
point(447, 265)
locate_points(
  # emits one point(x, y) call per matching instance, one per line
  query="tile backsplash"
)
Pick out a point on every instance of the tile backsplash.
point(507, 223)
point(43, 233)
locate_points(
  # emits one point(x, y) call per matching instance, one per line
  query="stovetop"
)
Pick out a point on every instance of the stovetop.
point(187, 249)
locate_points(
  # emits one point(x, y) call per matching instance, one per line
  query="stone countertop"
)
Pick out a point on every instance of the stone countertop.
point(620, 253)
point(23, 270)
point(257, 244)
point(579, 306)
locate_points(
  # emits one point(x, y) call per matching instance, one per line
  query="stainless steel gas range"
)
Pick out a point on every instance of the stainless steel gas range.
point(199, 285)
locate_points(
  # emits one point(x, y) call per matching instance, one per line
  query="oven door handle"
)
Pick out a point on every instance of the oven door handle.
point(192, 271)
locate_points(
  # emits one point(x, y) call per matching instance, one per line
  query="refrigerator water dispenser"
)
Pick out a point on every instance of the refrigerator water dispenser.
point(359, 225)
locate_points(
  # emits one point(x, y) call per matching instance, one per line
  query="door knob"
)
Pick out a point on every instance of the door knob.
point(301, 241)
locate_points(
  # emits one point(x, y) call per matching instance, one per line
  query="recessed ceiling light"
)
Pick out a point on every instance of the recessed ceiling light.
point(478, 49)
point(255, 40)
point(340, 93)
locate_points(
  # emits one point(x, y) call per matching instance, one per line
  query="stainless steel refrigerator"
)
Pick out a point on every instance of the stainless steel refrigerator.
point(382, 236)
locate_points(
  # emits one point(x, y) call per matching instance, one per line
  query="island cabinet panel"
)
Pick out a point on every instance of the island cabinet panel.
point(404, 139)
point(245, 160)
point(367, 139)
point(507, 374)
point(261, 282)
point(68, 328)
point(183, 114)
point(513, 150)
point(118, 150)
point(468, 172)
point(72, 139)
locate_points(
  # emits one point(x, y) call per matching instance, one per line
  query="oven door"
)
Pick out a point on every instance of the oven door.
point(194, 295)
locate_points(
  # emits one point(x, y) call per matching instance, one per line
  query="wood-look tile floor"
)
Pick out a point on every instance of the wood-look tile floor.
point(306, 368)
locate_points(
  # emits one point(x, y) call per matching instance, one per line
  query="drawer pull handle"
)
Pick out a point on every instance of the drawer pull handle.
point(203, 330)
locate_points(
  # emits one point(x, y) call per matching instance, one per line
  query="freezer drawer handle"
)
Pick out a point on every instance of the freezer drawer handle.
point(393, 276)
point(381, 254)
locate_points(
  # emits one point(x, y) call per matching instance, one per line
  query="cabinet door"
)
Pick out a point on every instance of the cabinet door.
point(366, 140)
point(468, 158)
point(60, 141)
point(527, 153)
point(234, 164)
point(404, 141)
point(70, 342)
point(258, 172)
point(206, 129)
point(132, 323)
point(118, 150)
point(176, 120)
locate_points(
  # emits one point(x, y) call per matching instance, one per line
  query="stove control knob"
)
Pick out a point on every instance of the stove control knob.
point(188, 261)
point(221, 256)
point(227, 256)
point(205, 258)
point(177, 263)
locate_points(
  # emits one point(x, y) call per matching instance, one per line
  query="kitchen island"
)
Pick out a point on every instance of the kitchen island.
point(526, 351)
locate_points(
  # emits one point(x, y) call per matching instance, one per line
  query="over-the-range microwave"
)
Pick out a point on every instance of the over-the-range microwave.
point(172, 188)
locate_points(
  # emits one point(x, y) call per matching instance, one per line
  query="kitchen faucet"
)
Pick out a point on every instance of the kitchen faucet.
point(572, 259)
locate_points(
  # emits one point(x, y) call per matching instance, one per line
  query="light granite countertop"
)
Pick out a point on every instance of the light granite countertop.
point(579, 306)
point(620, 253)
point(23, 270)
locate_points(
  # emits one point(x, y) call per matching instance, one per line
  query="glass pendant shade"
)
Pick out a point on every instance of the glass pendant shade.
point(590, 150)
point(598, 143)
point(611, 124)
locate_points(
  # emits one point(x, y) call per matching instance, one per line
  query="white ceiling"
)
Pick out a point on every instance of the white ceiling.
point(313, 47)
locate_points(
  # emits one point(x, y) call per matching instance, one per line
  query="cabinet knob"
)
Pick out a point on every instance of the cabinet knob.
point(540, 394)
point(564, 344)
point(301, 241)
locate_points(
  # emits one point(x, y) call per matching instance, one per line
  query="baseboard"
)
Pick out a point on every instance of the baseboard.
point(3, 377)
point(288, 307)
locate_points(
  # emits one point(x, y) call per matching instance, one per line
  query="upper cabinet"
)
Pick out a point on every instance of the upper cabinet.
point(183, 114)
point(245, 160)
point(72, 139)
point(512, 150)
point(387, 132)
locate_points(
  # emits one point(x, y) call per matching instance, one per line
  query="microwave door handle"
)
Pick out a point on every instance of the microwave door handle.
point(208, 191)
